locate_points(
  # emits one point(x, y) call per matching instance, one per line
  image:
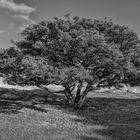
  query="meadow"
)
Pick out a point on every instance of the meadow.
point(36, 114)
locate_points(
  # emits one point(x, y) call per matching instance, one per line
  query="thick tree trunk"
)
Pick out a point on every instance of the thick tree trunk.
point(68, 95)
point(78, 93)
point(80, 103)
point(77, 101)
point(80, 97)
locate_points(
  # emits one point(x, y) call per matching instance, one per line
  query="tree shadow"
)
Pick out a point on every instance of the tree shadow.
point(109, 117)
point(12, 101)
point(120, 117)
point(88, 138)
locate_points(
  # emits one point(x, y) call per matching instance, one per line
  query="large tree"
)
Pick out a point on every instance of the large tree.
point(75, 53)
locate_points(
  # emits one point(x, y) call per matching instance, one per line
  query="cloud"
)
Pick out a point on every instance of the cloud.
point(3, 31)
point(11, 26)
point(22, 27)
point(26, 21)
point(25, 18)
point(21, 12)
point(20, 8)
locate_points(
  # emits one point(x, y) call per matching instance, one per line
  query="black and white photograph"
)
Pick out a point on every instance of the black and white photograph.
point(69, 70)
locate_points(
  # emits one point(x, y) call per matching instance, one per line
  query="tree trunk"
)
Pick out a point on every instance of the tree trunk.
point(77, 101)
point(80, 102)
point(80, 97)
point(68, 95)
point(78, 93)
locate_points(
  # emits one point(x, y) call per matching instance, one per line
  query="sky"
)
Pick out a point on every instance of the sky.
point(15, 15)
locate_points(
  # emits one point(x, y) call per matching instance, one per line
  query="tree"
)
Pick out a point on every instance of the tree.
point(75, 53)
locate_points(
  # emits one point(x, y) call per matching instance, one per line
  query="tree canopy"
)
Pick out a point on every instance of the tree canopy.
point(75, 53)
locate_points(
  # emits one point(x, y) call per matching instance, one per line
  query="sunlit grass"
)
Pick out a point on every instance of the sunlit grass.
point(37, 115)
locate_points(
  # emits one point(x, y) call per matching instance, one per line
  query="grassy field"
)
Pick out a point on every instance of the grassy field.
point(39, 115)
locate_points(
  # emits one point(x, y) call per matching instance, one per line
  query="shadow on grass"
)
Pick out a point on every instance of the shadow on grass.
point(121, 117)
point(12, 101)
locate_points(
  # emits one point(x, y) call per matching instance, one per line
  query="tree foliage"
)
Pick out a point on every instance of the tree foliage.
point(75, 53)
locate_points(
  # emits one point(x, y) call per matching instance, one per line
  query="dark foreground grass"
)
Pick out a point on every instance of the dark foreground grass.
point(39, 115)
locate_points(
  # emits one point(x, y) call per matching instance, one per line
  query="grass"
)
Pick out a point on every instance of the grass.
point(39, 115)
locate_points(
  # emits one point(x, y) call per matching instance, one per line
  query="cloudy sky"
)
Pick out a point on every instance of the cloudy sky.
point(15, 15)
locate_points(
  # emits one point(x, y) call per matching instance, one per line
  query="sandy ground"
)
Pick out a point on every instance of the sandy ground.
point(56, 87)
point(3, 85)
